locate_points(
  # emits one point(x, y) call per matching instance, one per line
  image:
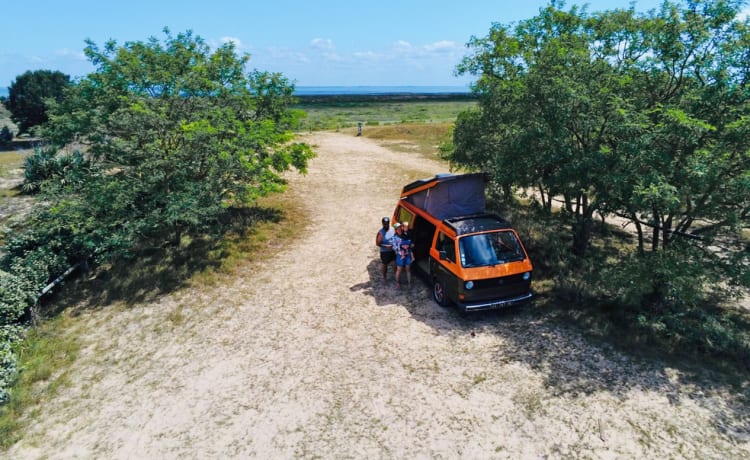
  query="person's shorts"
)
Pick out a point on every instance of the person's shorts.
point(387, 257)
point(403, 261)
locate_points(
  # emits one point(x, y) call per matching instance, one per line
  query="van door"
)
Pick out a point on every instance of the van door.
point(444, 268)
point(424, 232)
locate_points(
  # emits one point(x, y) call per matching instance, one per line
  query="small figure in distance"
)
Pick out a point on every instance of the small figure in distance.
point(384, 240)
point(404, 256)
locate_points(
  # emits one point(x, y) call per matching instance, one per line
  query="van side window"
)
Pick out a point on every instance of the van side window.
point(404, 216)
point(445, 243)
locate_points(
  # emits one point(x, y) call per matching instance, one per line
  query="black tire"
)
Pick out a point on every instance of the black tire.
point(438, 293)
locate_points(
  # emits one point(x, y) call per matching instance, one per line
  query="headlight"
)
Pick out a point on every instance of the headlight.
point(527, 276)
point(469, 285)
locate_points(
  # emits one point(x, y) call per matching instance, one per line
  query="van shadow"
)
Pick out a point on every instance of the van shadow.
point(571, 364)
point(418, 301)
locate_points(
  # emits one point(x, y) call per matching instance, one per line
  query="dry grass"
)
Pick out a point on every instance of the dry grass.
point(44, 358)
point(46, 354)
point(421, 138)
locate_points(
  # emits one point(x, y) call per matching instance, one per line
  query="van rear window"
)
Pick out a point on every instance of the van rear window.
point(492, 248)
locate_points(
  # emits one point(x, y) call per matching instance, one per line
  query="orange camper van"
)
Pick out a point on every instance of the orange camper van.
point(472, 258)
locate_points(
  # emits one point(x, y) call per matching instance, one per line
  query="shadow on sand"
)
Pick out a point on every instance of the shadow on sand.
point(574, 365)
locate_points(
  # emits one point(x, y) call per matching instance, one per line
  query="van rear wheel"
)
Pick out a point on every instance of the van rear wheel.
point(438, 293)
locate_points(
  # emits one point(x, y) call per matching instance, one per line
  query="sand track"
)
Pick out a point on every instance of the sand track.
point(313, 356)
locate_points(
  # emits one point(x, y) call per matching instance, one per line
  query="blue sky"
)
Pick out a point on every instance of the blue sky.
point(313, 43)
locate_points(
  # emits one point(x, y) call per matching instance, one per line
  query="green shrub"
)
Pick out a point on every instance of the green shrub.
point(14, 299)
point(46, 167)
point(6, 135)
point(38, 168)
point(9, 335)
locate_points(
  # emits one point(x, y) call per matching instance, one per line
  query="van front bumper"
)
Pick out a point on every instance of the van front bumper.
point(495, 304)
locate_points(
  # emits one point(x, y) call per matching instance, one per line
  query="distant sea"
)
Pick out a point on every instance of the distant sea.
point(367, 90)
point(360, 90)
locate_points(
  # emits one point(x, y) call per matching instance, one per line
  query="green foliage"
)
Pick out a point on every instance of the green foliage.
point(53, 170)
point(29, 93)
point(175, 137)
point(675, 301)
point(643, 115)
point(14, 299)
point(188, 134)
point(9, 335)
point(6, 136)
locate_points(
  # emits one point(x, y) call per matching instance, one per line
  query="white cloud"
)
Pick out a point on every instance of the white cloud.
point(68, 53)
point(441, 46)
point(322, 62)
point(744, 14)
point(335, 57)
point(287, 55)
point(402, 45)
point(370, 55)
point(322, 44)
point(237, 42)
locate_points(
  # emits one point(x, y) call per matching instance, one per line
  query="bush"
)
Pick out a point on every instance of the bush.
point(14, 299)
point(6, 136)
point(37, 168)
point(45, 167)
point(9, 335)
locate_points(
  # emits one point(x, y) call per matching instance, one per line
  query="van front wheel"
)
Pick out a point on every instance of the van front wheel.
point(438, 293)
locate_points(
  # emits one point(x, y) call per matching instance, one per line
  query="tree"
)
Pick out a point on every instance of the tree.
point(6, 136)
point(643, 115)
point(175, 136)
point(612, 110)
point(548, 106)
point(28, 93)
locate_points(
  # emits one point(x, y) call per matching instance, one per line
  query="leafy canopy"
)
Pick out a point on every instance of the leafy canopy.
point(177, 134)
point(28, 95)
point(640, 115)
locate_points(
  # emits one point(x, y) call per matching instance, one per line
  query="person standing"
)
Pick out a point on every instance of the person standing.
point(402, 247)
point(384, 240)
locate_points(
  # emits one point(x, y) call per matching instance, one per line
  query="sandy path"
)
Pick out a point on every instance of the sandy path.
point(313, 356)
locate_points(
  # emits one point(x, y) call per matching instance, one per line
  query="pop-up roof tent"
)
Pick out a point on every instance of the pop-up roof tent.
point(448, 195)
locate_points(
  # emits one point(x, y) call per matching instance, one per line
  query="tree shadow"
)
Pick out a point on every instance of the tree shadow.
point(159, 270)
point(574, 365)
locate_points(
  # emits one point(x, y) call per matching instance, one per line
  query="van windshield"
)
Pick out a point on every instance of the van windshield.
point(490, 249)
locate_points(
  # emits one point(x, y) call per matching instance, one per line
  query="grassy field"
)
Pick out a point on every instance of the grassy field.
point(339, 112)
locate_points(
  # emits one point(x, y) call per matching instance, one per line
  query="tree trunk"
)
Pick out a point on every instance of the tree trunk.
point(666, 231)
point(581, 234)
point(639, 229)
point(655, 232)
point(542, 194)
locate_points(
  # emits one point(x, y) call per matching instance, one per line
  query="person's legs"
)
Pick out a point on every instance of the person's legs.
point(407, 266)
point(399, 267)
point(386, 258)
